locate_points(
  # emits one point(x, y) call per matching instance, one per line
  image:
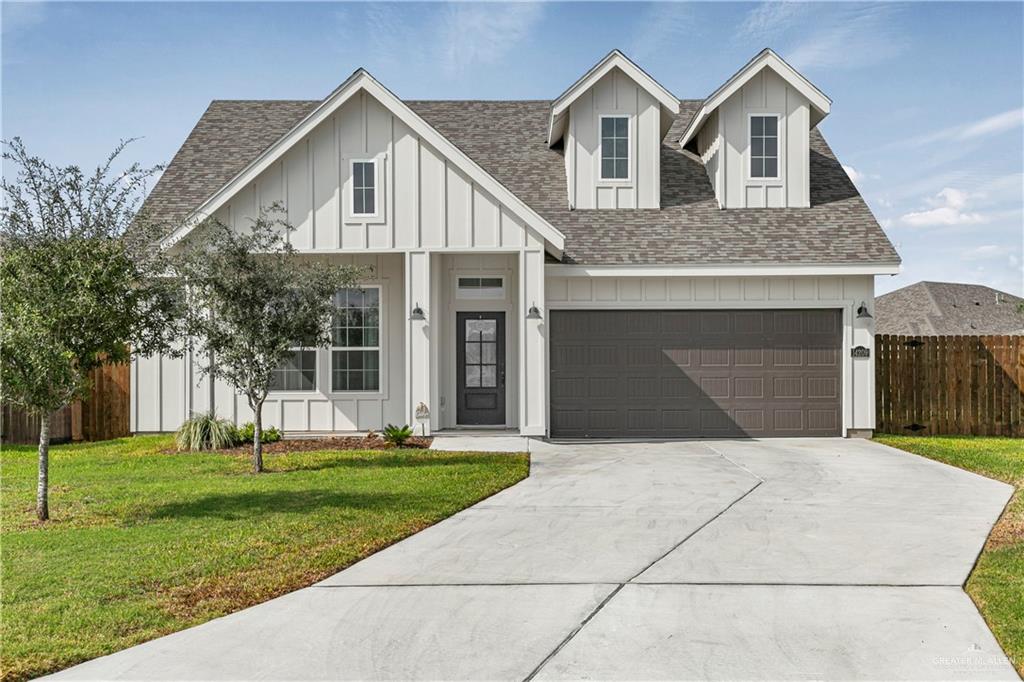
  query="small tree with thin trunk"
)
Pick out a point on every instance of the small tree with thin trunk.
point(80, 283)
point(252, 299)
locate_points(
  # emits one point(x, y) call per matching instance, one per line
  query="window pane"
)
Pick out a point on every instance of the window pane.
point(358, 206)
point(757, 125)
point(492, 282)
point(771, 168)
point(757, 146)
point(369, 201)
point(370, 337)
point(770, 125)
point(621, 127)
point(355, 370)
point(489, 376)
point(297, 372)
point(621, 169)
point(620, 149)
point(473, 353)
point(607, 127)
point(608, 168)
point(757, 168)
point(489, 354)
point(771, 146)
point(473, 376)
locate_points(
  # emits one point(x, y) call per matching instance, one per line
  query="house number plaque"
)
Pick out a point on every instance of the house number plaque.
point(860, 352)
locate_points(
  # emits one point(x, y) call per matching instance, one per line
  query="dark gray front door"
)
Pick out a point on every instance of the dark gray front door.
point(480, 355)
point(686, 373)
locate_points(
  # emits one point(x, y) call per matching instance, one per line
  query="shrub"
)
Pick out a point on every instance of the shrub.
point(206, 432)
point(247, 430)
point(397, 435)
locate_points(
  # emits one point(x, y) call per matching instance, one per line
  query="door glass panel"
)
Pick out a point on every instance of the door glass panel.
point(481, 353)
point(489, 355)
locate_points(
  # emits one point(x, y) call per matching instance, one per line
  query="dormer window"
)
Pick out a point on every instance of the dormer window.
point(614, 147)
point(764, 146)
point(364, 188)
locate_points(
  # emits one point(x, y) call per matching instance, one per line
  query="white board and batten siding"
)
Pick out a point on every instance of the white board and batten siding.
point(666, 293)
point(424, 201)
point(615, 94)
point(724, 144)
point(166, 390)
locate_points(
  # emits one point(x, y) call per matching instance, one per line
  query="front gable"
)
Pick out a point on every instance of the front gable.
point(428, 193)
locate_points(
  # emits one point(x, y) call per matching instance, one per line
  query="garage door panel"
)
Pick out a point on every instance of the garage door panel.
point(696, 373)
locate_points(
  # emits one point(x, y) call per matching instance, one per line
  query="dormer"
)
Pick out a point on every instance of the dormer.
point(753, 135)
point(611, 122)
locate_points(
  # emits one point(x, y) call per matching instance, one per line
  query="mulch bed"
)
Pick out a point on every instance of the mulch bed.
point(374, 442)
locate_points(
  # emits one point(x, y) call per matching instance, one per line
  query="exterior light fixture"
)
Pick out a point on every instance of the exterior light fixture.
point(862, 312)
point(533, 313)
point(417, 313)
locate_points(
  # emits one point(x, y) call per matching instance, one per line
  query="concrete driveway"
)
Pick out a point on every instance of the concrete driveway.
point(782, 559)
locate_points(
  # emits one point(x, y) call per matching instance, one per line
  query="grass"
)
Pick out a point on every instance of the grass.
point(142, 544)
point(997, 583)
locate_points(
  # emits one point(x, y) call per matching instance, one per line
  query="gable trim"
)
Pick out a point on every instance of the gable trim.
point(615, 58)
point(362, 80)
point(820, 102)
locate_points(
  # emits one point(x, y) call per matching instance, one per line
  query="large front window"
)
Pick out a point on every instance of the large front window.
point(355, 340)
point(764, 147)
point(614, 147)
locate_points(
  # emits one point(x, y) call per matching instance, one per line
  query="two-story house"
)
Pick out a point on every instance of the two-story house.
point(615, 262)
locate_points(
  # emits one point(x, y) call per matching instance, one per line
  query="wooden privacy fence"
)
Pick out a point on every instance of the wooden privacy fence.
point(104, 414)
point(969, 385)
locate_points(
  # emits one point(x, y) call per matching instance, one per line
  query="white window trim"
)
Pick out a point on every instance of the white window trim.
point(629, 150)
point(779, 142)
point(381, 374)
point(482, 294)
point(352, 188)
point(316, 376)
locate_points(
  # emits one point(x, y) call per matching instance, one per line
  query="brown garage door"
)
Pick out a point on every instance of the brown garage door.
point(687, 373)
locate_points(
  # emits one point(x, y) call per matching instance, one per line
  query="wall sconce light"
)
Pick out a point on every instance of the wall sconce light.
point(533, 313)
point(862, 312)
point(417, 313)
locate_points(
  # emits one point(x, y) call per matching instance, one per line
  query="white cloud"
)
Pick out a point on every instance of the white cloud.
point(663, 26)
point(858, 176)
point(949, 210)
point(824, 35)
point(483, 33)
point(769, 19)
point(854, 174)
point(992, 125)
point(984, 252)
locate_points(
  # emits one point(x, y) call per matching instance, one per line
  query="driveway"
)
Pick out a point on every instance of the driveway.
point(780, 559)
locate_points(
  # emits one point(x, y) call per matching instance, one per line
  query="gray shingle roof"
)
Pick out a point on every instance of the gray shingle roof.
point(948, 308)
point(508, 139)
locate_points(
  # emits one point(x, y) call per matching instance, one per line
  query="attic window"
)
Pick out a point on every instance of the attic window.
point(481, 288)
point(614, 147)
point(764, 146)
point(364, 188)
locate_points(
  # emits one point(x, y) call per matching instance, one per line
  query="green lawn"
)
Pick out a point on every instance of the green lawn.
point(142, 543)
point(997, 583)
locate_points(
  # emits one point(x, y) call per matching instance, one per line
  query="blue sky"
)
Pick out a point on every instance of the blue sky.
point(927, 114)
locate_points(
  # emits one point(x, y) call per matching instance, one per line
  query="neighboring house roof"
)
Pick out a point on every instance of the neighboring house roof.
point(820, 103)
point(948, 308)
point(508, 139)
point(613, 60)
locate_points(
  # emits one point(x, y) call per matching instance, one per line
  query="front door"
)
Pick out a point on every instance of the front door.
point(480, 364)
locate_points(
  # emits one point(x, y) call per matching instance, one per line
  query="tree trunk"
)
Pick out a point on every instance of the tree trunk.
point(257, 438)
point(43, 486)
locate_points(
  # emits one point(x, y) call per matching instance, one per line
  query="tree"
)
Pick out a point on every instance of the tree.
point(80, 280)
point(252, 299)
